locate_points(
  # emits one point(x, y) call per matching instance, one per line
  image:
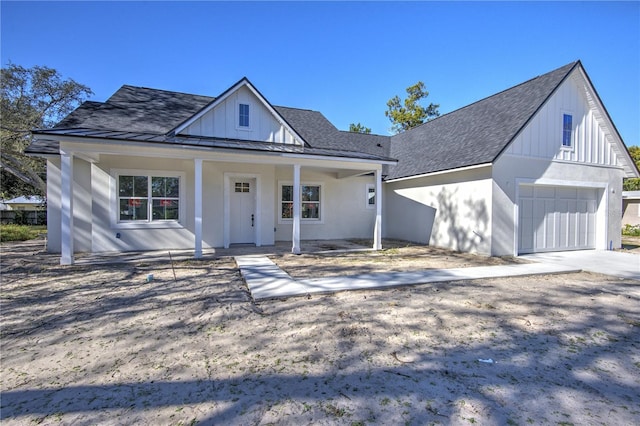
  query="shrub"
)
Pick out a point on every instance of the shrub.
point(19, 232)
point(631, 230)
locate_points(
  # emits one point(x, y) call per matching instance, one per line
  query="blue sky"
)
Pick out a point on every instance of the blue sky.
point(341, 58)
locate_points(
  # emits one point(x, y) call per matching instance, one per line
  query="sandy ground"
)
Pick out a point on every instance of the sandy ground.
point(100, 345)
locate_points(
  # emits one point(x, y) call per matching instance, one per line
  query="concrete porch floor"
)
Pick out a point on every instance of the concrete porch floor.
point(280, 248)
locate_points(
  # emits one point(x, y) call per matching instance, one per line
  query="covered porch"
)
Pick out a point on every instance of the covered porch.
point(209, 183)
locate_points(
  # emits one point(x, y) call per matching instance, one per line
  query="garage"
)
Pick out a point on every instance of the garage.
point(556, 218)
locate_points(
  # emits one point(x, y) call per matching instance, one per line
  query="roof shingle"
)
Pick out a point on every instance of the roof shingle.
point(475, 134)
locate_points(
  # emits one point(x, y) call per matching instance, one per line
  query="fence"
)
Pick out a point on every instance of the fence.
point(23, 217)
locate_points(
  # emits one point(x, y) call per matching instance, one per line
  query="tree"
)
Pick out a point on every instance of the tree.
point(408, 114)
point(633, 184)
point(30, 98)
point(359, 128)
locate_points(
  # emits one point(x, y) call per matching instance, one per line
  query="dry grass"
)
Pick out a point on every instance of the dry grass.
point(100, 345)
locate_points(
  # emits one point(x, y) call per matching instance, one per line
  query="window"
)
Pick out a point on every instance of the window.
point(371, 196)
point(566, 129)
point(243, 115)
point(242, 187)
point(148, 198)
point(310, 196)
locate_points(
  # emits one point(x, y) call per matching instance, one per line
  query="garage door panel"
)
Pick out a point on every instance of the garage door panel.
point(526, 224)
point(556, 218)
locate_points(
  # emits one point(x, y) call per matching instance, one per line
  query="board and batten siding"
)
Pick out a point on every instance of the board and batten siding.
point(222, 121)
point(542, 137)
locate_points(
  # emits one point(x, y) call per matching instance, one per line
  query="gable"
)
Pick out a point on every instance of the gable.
point(475, 134)
point(593, 139)
point(241, 114)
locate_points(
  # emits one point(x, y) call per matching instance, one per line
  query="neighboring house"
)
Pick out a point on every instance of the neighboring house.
point(28, 209)
point(28, 202)
point(631, 208)
point(537, 167)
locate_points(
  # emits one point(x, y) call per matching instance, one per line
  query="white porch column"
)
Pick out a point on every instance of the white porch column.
point(377, 231)
point(295, 249)
point(66, 208)
point(198, 207)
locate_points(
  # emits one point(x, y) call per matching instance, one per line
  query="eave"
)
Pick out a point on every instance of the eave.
point(103, 141)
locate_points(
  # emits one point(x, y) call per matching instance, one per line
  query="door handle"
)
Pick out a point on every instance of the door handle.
point(252, 218)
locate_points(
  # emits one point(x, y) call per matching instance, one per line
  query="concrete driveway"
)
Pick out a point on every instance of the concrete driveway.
point(619, 264)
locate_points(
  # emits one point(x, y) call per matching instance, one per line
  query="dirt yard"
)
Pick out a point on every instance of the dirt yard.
point(100, 345)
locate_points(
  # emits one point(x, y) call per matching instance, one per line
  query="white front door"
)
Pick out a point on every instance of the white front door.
point(242, 211)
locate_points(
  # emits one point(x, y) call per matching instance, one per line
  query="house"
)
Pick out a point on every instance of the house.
point(631, 208)
point(26, 209)
point(26, 202)
point(536, 167)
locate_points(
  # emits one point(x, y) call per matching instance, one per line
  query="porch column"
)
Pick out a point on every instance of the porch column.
point(198, 207)
point(66, 208)
point(295, 249)
point(377, 230)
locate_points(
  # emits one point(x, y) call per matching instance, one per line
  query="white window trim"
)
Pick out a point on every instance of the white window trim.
point(115, 208)
point(366, 196)
point(237, 114)
point(573, 131)
point(282, 221)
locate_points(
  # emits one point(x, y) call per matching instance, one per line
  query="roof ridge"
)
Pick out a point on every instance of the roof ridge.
point(299, 109)
point(364, 134)
point(165, 90)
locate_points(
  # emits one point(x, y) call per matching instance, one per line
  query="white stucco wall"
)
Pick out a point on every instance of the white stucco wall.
point(53, 205)
point(182, 237)
point(140, 237)
point(344, 210)
point(451, 210)
point(510, 170)
point(345, 213)
point(81, 204)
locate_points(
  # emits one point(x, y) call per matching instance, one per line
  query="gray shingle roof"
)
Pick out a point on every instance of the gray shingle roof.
point(474, 134)
point(79, 115)
point(137, 109)
point(143, 114)
point(318, 132)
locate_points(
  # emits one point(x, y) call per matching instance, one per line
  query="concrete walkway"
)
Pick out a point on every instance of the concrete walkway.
point(267, 281)
point(615, 263)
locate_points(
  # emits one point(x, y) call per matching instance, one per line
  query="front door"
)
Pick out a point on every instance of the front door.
point(243, 209)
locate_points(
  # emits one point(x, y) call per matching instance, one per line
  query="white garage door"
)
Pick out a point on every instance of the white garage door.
point(554, 218)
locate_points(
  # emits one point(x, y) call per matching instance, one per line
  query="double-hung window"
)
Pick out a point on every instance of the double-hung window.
point(567, 130)
point(148, 198)
point(243, 115)
point(311, 200)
